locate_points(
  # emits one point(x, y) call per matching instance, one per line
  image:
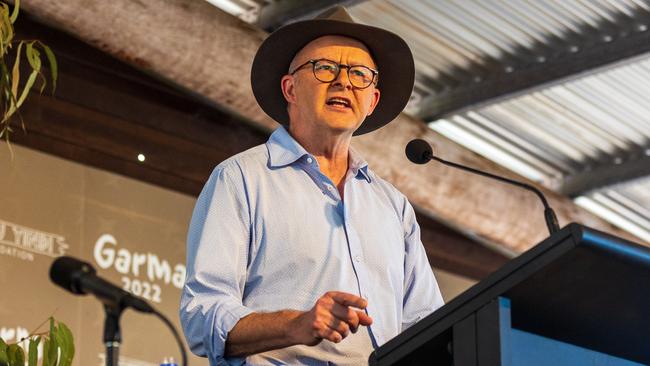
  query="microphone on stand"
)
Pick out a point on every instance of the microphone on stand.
point(80, 278)
point(419, 152)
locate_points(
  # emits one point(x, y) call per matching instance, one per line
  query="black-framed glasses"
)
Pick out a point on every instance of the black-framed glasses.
point(326, 71)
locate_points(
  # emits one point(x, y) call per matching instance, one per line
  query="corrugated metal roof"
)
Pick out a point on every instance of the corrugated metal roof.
point(546, 135)
point(567, 128)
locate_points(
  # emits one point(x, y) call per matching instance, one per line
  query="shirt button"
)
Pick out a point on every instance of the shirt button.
point(329, 188)
point(357, 258)
point(310, 160)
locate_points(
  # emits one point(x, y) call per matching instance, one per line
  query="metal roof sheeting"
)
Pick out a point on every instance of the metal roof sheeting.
point(547, 135)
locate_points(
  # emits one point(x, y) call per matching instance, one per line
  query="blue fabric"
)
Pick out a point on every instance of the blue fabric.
point(270, 232)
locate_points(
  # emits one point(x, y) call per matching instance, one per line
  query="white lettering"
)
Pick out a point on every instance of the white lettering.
point(105, 256)
point(32, 240)
point(138, 260)
point(157, 269)
point(62, 246)
point(123, 261)
point(178, 278)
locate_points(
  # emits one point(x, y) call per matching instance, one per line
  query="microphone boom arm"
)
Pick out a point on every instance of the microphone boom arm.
point(549, 214)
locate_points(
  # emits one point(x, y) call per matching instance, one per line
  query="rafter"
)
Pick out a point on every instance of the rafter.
point(616, 171)
point(616, 45)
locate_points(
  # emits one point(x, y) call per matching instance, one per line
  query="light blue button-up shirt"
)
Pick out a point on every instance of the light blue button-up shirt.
point(270, 232)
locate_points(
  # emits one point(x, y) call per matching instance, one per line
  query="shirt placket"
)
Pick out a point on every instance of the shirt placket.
point(358, 260)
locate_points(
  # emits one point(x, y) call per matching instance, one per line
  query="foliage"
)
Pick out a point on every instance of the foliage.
point(57, 345)
point(12, 95)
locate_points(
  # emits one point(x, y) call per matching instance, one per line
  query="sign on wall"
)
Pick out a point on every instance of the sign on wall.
point(133, 233)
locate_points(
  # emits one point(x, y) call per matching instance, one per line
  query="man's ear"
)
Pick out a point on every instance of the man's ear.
point(375, 100)
point(288, 88)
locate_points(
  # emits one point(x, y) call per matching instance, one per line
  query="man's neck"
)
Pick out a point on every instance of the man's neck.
point(330, 150)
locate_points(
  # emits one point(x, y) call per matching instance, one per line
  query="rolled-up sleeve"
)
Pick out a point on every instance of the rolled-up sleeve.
point(217, 255)
point(421, 292)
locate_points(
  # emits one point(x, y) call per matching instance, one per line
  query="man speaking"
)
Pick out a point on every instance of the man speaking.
point(297, 253)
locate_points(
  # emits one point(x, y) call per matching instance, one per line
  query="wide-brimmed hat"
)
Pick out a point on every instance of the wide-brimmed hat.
point(391, 54)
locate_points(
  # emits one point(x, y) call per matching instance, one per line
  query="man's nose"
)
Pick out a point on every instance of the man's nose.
point(342, 79)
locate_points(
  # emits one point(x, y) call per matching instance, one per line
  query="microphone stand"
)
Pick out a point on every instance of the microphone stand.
point(549, 214)
point(112, 335)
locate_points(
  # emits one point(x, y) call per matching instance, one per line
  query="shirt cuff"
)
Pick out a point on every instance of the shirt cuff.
point(222, 327)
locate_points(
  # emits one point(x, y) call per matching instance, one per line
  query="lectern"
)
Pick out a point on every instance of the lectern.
point(580, 297)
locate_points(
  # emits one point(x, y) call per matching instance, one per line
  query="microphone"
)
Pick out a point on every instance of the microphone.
point(419, 152)
point(80, 278)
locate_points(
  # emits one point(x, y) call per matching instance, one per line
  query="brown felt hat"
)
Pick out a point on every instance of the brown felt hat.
point(390, 52)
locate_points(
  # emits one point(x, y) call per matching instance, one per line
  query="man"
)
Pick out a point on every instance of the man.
point(298, 253)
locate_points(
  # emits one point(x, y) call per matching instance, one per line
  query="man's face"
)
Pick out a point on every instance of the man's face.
point(313, 104)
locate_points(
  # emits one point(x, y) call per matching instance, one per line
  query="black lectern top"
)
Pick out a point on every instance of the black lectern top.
point(580, 286)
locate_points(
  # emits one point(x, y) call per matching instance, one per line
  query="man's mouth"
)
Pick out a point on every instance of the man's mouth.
point(339, 102)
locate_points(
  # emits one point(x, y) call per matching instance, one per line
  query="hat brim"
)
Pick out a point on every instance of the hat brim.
point(390, 52)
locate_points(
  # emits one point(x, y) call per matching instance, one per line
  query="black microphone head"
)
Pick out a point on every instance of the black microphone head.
point(67, 271)
point(419, 151)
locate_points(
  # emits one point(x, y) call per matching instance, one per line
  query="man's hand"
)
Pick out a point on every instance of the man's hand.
point(333, 317)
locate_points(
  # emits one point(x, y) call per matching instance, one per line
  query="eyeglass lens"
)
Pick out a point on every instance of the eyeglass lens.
point(327, 71)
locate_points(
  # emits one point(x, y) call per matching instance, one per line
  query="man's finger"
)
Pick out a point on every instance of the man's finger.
point(339, 326)
point(330, 334)
point(364, 319)
point(346, 314)
point(348, 299)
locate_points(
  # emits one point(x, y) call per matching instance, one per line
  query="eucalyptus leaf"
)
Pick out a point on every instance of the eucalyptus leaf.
point(32, 354)
point(33, 56)
point(67, 341)
point(15, 74)
point(46, 352)
point(7, 26)
point(53, 352)
point(11, 97)
point(4, 358)
point(54, 68)
point(28, 86)
point(62, 343)
point(16, 355)
point(14, 14)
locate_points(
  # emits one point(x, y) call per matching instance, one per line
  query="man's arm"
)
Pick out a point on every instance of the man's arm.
point(332, 318)
point(421, 292)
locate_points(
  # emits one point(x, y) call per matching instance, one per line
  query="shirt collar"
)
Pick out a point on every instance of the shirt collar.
point(358, 165)
point(285, 150)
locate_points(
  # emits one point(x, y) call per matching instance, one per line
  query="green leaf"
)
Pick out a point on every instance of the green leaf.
point(66, 342)
point(32, 354)
point(15, 73)
point(54, 68)
point(33, 56)
point(7, 27)
point(26, 89)
point(16, 355)
point(46, 351)
point(4, 358)
point(52, 353)
point(14, 14)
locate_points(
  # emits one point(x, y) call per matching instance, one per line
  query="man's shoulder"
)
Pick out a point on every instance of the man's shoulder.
point(255, 157)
